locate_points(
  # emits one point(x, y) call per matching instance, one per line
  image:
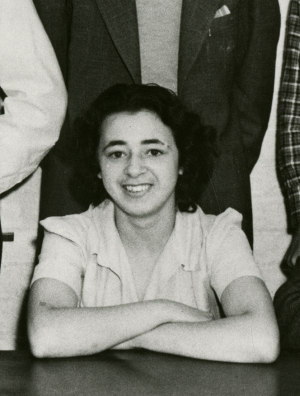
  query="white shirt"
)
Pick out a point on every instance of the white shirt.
point(159, 29)
point(204, 253)
point(36, 97)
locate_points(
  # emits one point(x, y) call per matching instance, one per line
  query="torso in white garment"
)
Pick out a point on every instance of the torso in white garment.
point(159, 29)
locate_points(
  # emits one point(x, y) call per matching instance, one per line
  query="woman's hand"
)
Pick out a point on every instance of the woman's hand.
point(179, 313)
point(183, 313)
point(248, 333)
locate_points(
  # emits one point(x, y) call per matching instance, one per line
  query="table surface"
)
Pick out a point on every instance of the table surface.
point(144, 373)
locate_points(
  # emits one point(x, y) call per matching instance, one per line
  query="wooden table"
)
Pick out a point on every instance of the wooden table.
point(143, 373)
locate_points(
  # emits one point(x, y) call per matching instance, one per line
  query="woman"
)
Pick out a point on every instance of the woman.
point(143, 268)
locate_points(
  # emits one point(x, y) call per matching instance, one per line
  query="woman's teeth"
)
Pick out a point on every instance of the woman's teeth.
point(138, 188)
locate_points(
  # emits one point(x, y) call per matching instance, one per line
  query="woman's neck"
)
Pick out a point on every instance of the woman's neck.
point(151, 233)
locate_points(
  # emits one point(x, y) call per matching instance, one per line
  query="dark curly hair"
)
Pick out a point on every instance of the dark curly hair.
point(193, 141)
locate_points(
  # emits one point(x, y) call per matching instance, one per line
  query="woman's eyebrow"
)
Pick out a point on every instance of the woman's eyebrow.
point(153, 141)
point(144, 142)
point(115, 143)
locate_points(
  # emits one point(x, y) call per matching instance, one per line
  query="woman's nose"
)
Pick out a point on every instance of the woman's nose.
point(135, 166)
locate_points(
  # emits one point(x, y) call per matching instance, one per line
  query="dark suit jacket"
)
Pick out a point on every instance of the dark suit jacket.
point(225, 73)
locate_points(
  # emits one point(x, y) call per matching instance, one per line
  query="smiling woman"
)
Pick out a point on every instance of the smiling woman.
point(193, 142)
point(138, 161)
point(144, 267)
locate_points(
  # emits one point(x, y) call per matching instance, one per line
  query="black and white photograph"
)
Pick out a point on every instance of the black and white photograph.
point(150, 197)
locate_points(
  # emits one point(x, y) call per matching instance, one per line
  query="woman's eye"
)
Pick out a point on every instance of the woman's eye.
point(154, 152)
point(117, 154)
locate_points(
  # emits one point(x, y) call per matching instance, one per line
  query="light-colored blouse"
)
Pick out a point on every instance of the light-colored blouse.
point(203, 255)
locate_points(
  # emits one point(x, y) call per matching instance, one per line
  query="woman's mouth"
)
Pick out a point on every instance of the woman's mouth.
point(138, 188)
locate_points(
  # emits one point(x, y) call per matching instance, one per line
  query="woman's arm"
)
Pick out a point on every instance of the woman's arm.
point(249, 332)
point(57, 327)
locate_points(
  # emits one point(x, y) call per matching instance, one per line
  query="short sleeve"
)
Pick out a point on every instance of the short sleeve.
point(228, 251)
point(63, 254)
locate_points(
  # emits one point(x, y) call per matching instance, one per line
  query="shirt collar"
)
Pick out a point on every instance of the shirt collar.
point(182, 249)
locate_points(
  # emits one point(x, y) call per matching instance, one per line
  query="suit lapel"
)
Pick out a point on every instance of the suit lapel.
point(196, 18)
point(120, 18)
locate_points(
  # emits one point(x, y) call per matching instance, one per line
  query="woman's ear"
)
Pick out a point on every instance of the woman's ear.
point(99, 175)
point(180, 172)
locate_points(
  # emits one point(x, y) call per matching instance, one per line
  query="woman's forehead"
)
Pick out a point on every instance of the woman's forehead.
point(139, 126)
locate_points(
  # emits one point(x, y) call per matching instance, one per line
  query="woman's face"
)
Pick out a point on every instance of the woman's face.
point(138, 159)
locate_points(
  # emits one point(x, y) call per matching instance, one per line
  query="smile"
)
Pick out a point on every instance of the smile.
point(137, 188)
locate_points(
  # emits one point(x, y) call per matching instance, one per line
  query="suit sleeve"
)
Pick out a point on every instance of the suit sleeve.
point(35, 102)
point(259, 27)
point(287, 308)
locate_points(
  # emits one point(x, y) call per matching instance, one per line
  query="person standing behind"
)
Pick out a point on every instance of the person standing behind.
point(289, 128)
point(219, 58)
point(32, 94)
point(287, 297)
point(35, 96)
